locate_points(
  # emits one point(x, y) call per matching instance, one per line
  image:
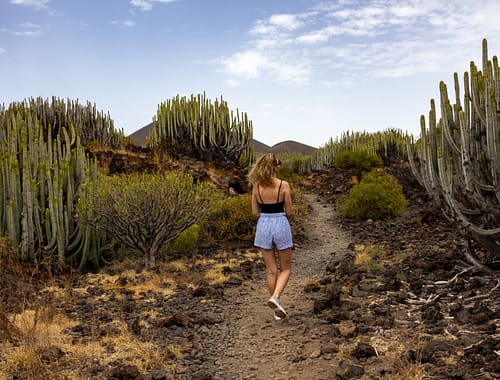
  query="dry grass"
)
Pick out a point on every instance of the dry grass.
point(42, 328)
point(215, 275)
point(369, 258)
point(346, 349)
point(216, 272)
point(130, 280)
point(392, 348)
point(409, 371)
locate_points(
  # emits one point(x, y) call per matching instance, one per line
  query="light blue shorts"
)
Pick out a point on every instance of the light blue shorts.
point(273, 230)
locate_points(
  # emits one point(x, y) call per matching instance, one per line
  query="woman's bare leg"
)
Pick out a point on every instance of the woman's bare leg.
point(271, 269)
point(285, 258)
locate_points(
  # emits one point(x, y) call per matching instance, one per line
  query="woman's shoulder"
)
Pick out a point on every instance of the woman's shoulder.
point(283, 183)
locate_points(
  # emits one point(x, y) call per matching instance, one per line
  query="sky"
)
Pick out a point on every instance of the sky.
point(303, 70)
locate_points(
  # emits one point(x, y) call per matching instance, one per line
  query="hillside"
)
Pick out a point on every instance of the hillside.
point(288, 146)
point(139, 138)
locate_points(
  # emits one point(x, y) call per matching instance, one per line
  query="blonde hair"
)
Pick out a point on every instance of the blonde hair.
point(263, 170)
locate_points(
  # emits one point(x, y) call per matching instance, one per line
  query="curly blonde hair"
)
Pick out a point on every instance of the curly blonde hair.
point(263, 170)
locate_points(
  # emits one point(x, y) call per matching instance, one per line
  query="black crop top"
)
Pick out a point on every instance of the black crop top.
point(272, 208)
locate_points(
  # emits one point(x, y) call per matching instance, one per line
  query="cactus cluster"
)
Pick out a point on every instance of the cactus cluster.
point(90, 124)
point(206, 130)
point(389, 145)
point(40, 173)
point(459, 155)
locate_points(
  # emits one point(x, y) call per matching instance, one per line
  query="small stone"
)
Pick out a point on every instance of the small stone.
point(315, 354)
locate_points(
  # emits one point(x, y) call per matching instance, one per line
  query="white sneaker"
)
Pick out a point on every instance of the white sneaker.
point(275, 304)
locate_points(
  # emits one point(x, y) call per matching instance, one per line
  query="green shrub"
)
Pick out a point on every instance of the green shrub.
point(184, 243)
point(145, 211)
point(356, 159)
point(287, 173)
point(294, 165)
point(377, 196)
point(231, 221)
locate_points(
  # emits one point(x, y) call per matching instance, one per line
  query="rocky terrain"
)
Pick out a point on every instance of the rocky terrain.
point(392, 299)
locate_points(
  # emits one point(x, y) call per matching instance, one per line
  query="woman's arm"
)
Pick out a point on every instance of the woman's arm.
point(255, 205)
point(288, 198)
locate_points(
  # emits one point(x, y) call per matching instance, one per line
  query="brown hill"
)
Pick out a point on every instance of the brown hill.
point(289, 146)
point(259, 147)
point(139, 138)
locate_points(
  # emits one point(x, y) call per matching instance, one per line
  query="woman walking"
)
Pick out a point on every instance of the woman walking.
point(272, 205)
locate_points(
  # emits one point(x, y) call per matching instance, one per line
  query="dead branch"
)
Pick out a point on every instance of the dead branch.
point(472, 259)
point(8, 331)
point(486, 295)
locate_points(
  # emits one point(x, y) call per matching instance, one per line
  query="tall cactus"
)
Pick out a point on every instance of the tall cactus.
point(389, 145)
point(204, 129)
point(91, 125)
point(459, 155)
point(40, 174)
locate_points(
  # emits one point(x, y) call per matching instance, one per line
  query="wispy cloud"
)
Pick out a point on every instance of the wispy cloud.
point(248, 64)
point(147, 5)
point(232, 83)
point(2, 51)
point(251, 64)
point(363, 38)
point(37, 4)
point(275, 23)
point(27, 29)
point(125, 24)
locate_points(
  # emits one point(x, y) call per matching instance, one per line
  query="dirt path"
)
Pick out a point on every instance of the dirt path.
point(256, 346)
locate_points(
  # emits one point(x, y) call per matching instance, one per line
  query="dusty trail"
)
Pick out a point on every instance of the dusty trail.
point(257, 347)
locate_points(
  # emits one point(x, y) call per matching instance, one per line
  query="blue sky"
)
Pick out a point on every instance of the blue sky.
point(303, 70)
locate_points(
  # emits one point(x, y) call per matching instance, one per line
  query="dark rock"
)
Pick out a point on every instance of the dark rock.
point(364, 351)
point(349, 371)
point(234, 281)
point(124, 372)
point(329, 301)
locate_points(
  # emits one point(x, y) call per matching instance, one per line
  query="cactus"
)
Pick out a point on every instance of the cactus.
point(40, 172)
point(203, 129)
point(389, 145)
point(90, 124)
point(459, 156)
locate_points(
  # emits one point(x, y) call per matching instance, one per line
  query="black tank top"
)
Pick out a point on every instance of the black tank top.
point(271, 208)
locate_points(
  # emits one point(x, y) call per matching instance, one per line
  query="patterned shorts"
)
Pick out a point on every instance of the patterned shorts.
point(273, 230)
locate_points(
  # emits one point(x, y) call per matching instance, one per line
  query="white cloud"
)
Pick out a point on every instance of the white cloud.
point(2, 51)
point(124, 24)
point(252, 64)
point(362, 39)
point(142, 4)
point(291, 72)
point(29, 29)
point(30, 25)
point(147, 5)
point(232, 82)
point(285, 21)
point(248, 64)
point(27, 33)
point(313, 38)
point(37, 4)
point(276, 24)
